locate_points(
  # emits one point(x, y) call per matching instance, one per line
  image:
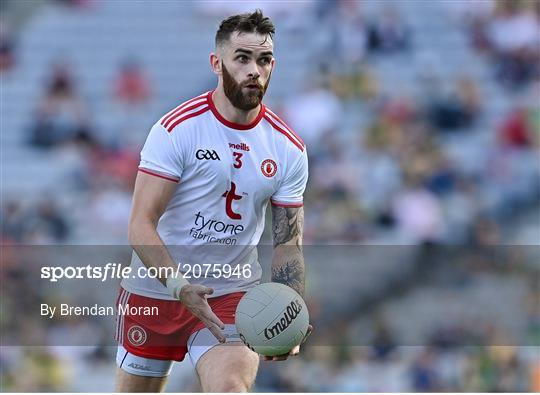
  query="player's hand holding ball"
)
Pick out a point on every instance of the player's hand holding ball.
point(272, 319)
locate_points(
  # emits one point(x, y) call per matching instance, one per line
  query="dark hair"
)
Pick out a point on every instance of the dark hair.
point(255, 22)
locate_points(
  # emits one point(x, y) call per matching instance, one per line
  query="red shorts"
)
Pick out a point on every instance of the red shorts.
point(164, 334)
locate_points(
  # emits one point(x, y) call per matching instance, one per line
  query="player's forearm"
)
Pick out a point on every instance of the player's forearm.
point(288, 259)
point(146, 242)
point(288, 267)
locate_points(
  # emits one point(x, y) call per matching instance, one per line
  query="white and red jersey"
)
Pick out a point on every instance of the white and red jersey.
point(226, 174)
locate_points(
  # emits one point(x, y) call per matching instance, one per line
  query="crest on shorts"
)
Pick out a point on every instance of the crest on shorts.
point(136, 335)
point(268, 168)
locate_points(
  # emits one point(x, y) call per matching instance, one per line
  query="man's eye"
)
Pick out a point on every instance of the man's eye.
point(265, 60)
point(242, 58)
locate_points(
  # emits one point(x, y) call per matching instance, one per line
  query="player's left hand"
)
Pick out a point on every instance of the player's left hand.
point(295, 351)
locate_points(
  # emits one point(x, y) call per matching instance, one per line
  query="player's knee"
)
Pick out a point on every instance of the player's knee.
point(230, 384)
point(233, 381)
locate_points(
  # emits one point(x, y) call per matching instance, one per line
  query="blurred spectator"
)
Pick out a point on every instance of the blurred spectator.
point(61, 114)
point(132, 86)
point(460, 209)
point(343, 42)
point(351, 33)
point(111, 166)
point(109, 209)
point(12, 221)
point(46, 222)
point(458, 109)
point(470, 97)
point(486, 232)
point(356, 82)
point(380, 178)
point(313, 112)
point(423, 375)
point(475, 14)
point(387, 130)
point(7, 47)
point(513, 35)
point(331, 158)
point(389, 33)
point(514, 27)
point(42, 221)
point(383, 343)
point(417, 213)
point(516, 130)
point(442, 179)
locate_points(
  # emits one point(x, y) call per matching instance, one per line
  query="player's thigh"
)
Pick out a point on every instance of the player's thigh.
point(127, 382)
point(230, 367)
point(140, 374)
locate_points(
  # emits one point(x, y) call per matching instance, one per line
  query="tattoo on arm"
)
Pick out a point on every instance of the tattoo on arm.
point(287, 224)
point(290, 273)
point(288, 261)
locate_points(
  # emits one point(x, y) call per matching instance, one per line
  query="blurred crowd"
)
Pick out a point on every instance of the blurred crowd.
point(433, 165)
point(506, 33)
point(407, 369)
point(395, 168)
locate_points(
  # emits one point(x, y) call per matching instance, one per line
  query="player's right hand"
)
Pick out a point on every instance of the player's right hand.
point(193, 297)
point(295, 351)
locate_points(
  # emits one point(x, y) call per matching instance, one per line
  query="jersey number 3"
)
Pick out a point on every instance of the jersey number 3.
point(237, 159)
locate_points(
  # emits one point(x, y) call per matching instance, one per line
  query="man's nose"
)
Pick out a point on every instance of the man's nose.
point(254, 72)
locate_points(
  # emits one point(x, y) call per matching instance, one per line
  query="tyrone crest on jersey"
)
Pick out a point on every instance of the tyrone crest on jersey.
point(136, 335)
point(269, 168)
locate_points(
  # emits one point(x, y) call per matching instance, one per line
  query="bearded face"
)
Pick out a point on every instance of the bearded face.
point(245, 95)
point(246, 61)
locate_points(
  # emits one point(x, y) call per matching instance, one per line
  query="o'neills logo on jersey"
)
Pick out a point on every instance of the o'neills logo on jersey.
point(269, 168)
point(291, 312)
point(241, 146)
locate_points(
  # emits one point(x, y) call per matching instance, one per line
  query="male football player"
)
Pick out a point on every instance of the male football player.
point(208, 169)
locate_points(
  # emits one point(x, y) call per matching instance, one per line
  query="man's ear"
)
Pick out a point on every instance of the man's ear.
point(273, 63)
point(215, 63)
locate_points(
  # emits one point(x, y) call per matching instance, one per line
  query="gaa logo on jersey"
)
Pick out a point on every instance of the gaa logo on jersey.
point(136, 335)
point(208, 154)
point(268, 168)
